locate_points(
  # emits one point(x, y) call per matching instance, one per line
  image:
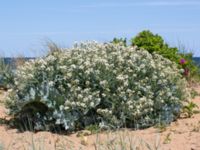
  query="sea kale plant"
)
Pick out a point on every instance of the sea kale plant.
point(107, 85)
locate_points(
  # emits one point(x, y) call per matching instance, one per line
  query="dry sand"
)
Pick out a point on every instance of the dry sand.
point(184, 134)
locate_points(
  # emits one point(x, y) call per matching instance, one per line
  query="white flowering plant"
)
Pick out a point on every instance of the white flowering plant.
point(108, 85)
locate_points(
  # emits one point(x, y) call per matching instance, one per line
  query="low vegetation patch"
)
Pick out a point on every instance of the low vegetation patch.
point(6, 75)
point(106, 85)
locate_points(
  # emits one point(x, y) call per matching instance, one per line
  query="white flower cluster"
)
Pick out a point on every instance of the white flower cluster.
point(104, 84)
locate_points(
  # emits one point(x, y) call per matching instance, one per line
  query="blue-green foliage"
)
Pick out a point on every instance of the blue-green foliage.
point(6, 74)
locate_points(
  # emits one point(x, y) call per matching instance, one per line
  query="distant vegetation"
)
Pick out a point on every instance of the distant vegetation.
point(14, 61)
point(6, 75)
point(197, 60)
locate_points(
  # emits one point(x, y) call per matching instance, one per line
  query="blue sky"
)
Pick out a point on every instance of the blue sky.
point(26, 25)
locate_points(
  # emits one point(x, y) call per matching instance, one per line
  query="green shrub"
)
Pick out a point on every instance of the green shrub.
point(155, 43)
point(189, 109)
point(6, 75)
point(107, 85)
point(121, 41)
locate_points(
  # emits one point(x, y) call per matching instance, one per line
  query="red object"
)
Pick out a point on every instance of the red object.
point(186, 72)
point(182, 61)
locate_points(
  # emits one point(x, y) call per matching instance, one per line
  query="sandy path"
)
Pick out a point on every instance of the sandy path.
point(183, 134)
